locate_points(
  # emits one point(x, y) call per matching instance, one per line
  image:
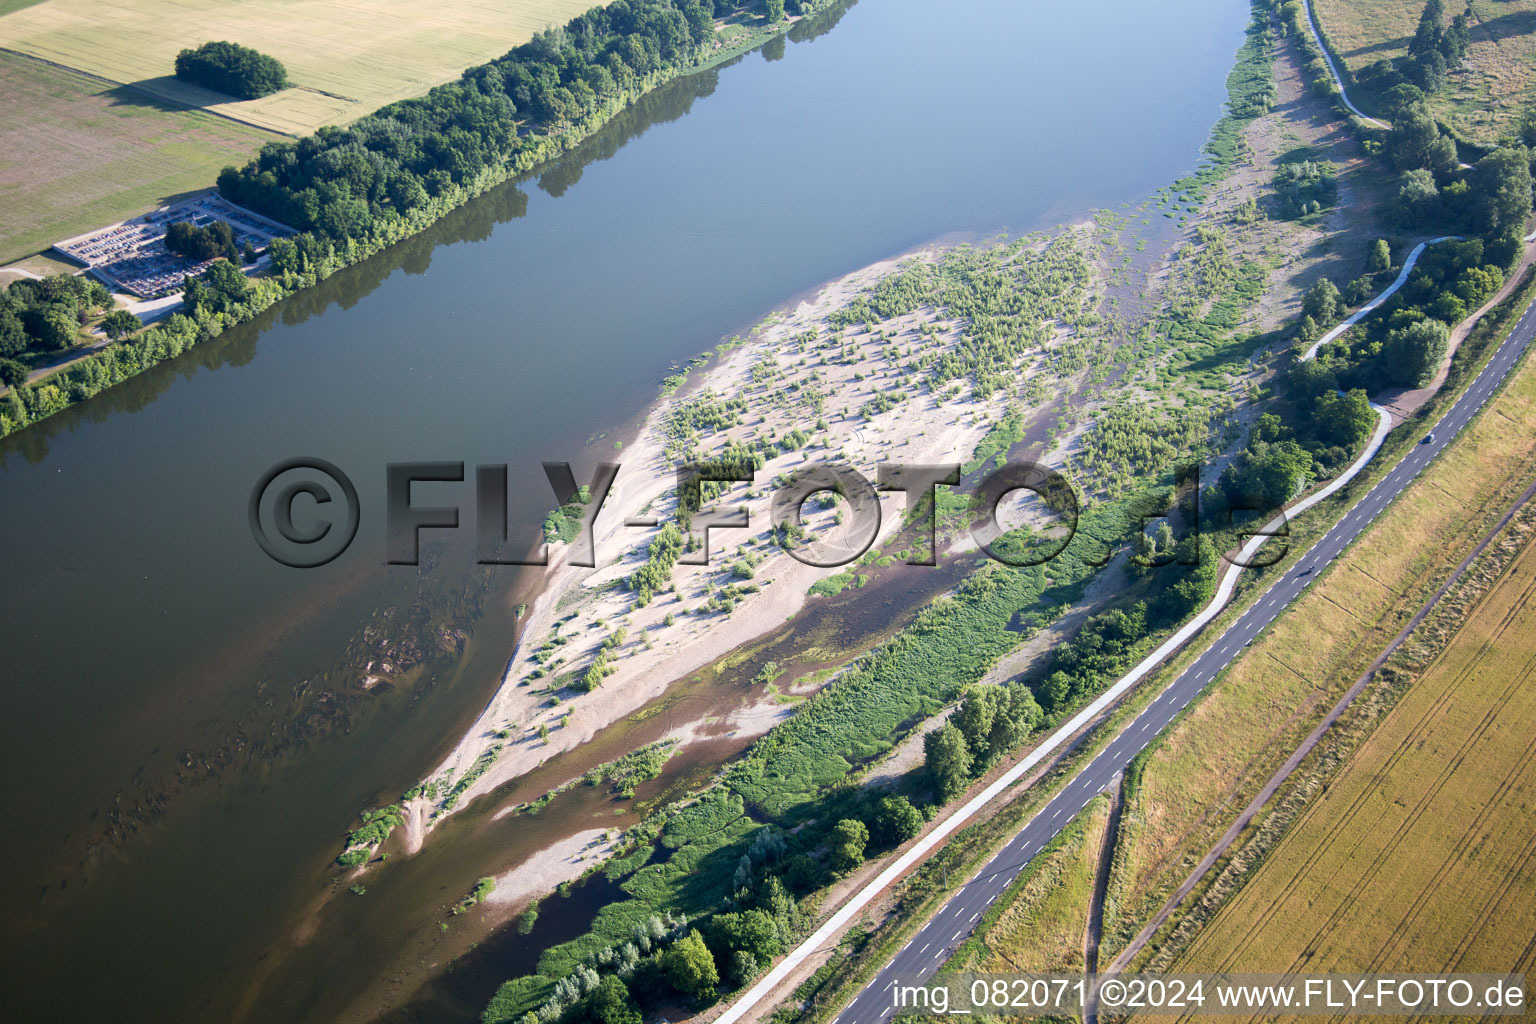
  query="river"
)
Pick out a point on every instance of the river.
point(186, 735)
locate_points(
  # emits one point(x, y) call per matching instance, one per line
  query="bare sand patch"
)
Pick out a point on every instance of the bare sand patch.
point(562, 861)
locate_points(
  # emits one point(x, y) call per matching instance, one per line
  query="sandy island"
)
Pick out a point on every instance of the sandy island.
point(785, 354)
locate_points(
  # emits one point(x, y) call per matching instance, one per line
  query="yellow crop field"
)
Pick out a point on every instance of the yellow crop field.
point(344, 59)
point(1483, 100)
point(1419, 854)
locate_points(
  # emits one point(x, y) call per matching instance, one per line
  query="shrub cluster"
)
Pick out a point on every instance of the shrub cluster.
point(232, 69)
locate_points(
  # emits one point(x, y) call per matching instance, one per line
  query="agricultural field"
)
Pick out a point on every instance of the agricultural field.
point(1482, 102)
point(77, 153)
point(344, 60)
point(1419, 854)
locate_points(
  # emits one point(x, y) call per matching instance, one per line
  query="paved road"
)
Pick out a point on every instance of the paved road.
point(950, 926)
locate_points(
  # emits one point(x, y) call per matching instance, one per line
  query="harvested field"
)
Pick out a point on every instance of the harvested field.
point(1418, 856)
point(344, 60)
point(77, 153)
point(1482, 101)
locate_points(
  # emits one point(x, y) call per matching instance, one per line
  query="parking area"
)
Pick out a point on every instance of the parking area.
point(131, 257)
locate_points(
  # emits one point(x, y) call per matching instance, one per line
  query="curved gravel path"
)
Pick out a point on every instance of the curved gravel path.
point(1317, 37)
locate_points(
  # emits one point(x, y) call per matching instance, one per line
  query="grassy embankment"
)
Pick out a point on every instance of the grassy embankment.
point(1482, 101)
point(1044, 915)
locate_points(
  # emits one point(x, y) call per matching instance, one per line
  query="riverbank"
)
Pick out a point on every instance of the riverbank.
point(535, 149)
point(855, 404)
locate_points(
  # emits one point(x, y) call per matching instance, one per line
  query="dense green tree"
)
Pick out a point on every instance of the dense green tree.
point(1503, 188)
point(1455, 40)
point(974, 719)
point(754, 931)
point(689, 966)
point(1429, 71)
point(1345, 420)
point(896, 821)
point(46, 314)
point(232, 69)
point(744, 966)
point(1304, 187)
point(1195, 584)
point(1426, 38)
point(52, 327)
point(216, 290)
point(773, 10)
point(120, 323)
point(12, 373)
point(1400, 99)
point(1380, 257)
point(1414, 133)
point(948, 760)
point(1526, 132)
point(13, 336)
point(1321, 302)
point(849, 838)
point(610, 1003)
point(200, 243)
point(1443, 158)
point(1360, 289)
point(994, 720)
point(1418, 200)
point(1266, 476)
point(1018, 715)
point(1412, 354)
